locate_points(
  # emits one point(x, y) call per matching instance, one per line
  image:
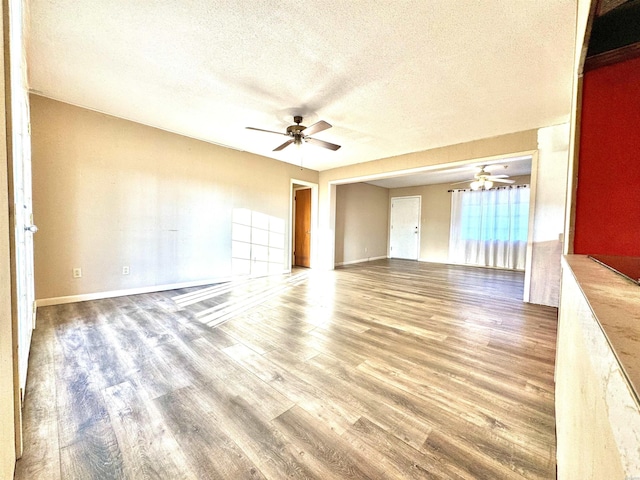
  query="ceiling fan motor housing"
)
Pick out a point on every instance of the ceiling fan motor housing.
point(295, 131)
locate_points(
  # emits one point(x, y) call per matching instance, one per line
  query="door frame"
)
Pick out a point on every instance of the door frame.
point(391, 199)
point(302, 185)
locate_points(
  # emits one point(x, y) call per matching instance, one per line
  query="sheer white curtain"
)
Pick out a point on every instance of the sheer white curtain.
point(489, 227)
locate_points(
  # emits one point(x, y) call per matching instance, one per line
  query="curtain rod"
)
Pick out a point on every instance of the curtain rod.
point(525, 185)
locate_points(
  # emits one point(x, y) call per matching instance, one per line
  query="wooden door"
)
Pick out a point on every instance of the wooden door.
point(302, 246)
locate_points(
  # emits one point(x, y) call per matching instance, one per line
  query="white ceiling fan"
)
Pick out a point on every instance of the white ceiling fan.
point(484, 179)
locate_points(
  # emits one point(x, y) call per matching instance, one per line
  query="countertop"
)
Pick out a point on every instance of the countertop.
point(615, 302)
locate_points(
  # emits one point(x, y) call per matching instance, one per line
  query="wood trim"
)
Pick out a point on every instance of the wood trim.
point(572, 177)
point(528, 260)
point(361, 260)
point(605, 6)
point(587, 37)
point(612, 56)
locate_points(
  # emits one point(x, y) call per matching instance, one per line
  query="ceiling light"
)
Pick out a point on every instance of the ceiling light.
point(475, 185)
point(488, 184)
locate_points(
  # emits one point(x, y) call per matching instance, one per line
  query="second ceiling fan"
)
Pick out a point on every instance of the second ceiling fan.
point(484, 179)
point(300, 133)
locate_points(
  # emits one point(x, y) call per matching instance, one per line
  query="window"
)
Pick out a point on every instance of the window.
point(489, 227)
point(257, 246)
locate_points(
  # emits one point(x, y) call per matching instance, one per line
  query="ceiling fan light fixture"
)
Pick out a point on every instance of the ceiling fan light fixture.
point(485, 181)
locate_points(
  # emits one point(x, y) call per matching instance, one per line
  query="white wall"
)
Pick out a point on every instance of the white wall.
point(549, 220)
point(362, 226)
point(110, 193)
point(597, 414)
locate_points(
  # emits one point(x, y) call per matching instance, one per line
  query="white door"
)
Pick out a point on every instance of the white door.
point(24, 230)
point(22, 204)
point(405, 228)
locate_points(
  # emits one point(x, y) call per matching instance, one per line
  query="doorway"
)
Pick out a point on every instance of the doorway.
point(404, 235)
point(302, 235)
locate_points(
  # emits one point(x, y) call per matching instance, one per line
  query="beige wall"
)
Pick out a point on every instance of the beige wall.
point(7, 446)
point(110, 193)
point(435, 221)
point(7, 438)
point(495, 147)
point(362, 227)
point(541, 282)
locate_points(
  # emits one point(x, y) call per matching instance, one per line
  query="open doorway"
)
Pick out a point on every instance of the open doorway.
point(302, 231)
point(304, 214)
point(433, 184)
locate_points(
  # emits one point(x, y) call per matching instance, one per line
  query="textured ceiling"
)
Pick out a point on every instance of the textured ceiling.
point(392, 76)
point(512, 167)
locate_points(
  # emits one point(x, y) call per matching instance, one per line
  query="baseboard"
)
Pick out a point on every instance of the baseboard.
point(361, 260)
point(475, 266)
point(44, 302)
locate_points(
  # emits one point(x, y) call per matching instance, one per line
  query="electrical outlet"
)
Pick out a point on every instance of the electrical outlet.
point(365, 249)
point(77, 272)
point(125, 270)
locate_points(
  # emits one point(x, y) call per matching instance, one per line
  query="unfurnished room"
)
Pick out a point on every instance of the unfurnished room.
point(329, 239)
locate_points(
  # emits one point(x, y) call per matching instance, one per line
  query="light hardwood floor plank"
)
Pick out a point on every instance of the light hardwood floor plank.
point(41, 457)
point(388, 369)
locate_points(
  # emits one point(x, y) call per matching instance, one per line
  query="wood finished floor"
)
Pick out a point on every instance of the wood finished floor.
point(390, 369)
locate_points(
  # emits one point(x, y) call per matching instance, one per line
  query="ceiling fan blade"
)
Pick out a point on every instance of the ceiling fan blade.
point(268, 131)
point(322, 143)
point(502, 180)
point(316, 127)
point(285, 144)
point(493, 177)
point(458, 183)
